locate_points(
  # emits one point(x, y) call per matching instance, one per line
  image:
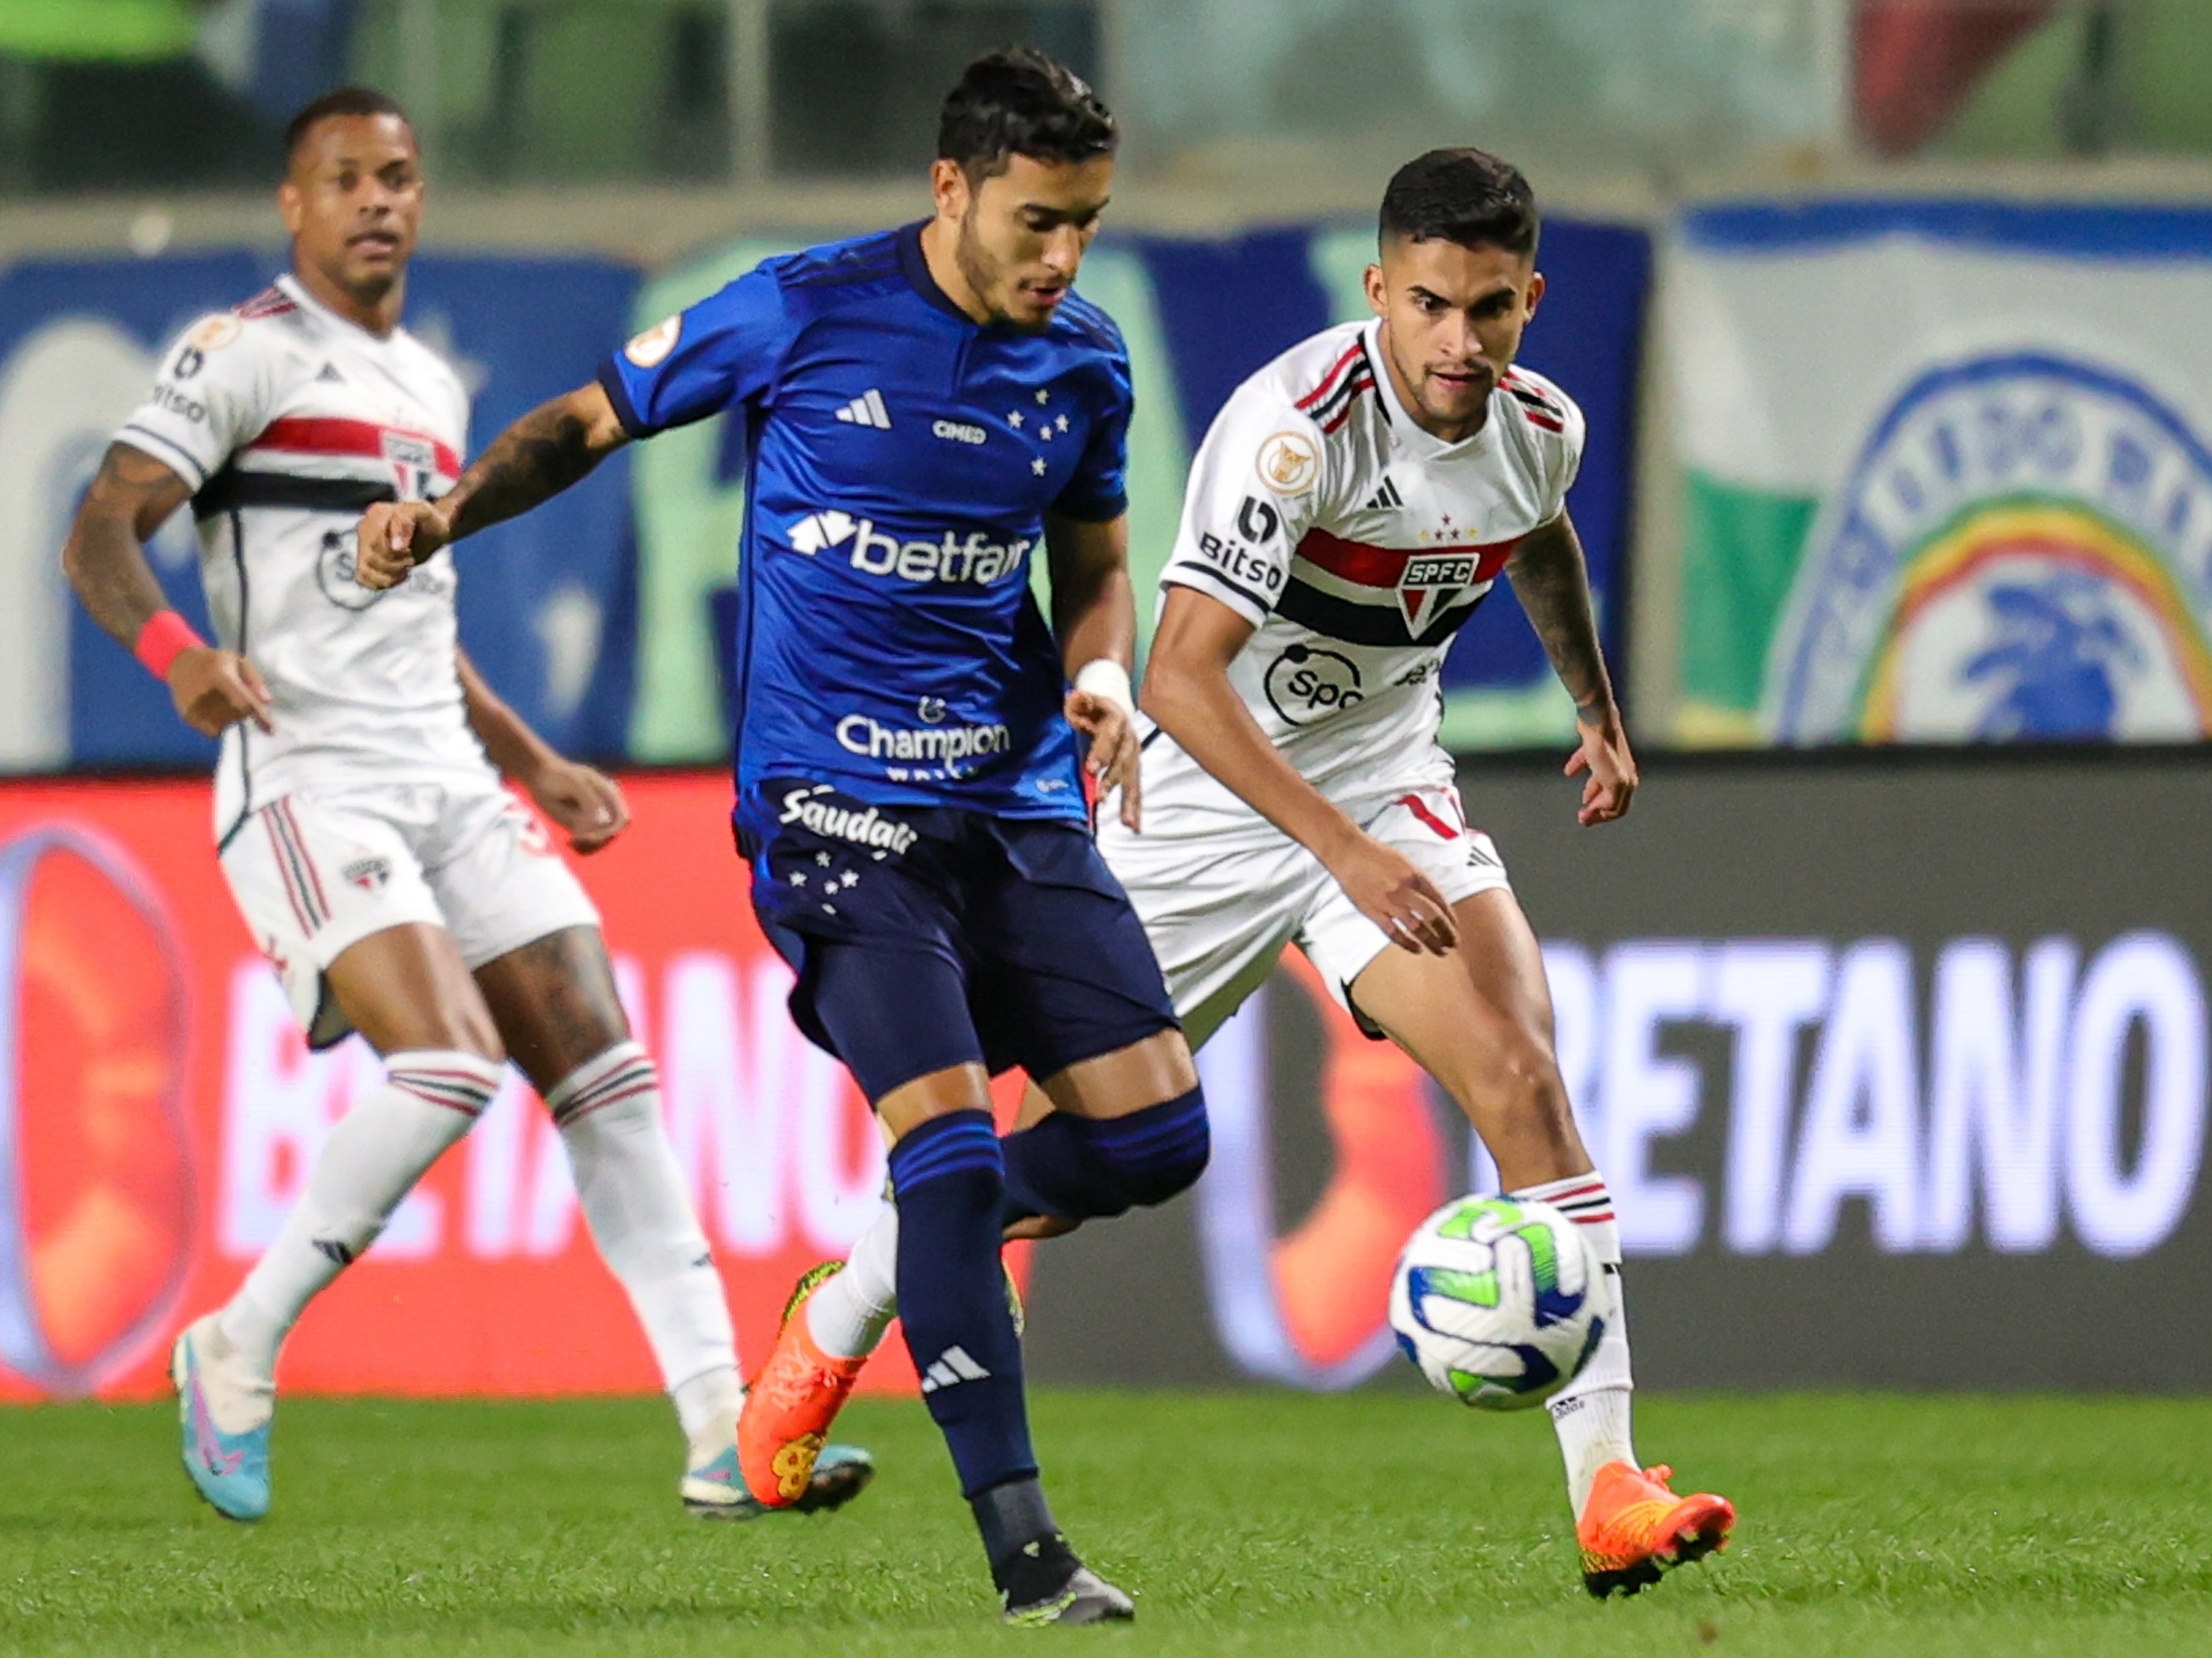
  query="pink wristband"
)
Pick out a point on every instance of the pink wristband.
point(165, 636)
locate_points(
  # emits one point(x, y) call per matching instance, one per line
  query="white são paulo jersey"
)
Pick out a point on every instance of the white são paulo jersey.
point(287, 420)
point(1357, 545)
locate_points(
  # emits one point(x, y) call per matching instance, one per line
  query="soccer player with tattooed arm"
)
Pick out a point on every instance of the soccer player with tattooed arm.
point(360, 818)
point(1353, 503)
point(925, 410)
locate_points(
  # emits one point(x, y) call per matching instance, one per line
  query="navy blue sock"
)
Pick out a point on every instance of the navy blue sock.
point(1152, 1155)
point(951, 1184)
point(1051, 1170)
point(1087, 1168)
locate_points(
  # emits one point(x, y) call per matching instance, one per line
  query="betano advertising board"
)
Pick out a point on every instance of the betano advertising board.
point(1897, 1068)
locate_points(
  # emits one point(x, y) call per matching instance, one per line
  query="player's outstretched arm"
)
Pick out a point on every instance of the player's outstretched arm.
point(1552, 580)
point(1186, 689)
point(585, 802)
point(131, 497)
point(1094, 615)
point(536, 458)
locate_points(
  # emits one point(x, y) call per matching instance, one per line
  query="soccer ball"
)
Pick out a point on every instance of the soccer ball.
point(1499, 1302)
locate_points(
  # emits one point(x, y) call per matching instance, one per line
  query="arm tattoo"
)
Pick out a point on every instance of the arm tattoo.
point(533, 460)
point(106, 558)
point(1553, 583)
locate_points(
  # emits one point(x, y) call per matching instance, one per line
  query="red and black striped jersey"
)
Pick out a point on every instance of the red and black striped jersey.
point(288, 421)
point(1357, 543)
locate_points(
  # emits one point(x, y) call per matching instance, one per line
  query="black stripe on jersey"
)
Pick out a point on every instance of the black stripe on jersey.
point(1177, 575)
point(1366, 624)
point(169, 454)
point(1359, 378)
point(1536, 400)
point(245, 727)
point(232, 488)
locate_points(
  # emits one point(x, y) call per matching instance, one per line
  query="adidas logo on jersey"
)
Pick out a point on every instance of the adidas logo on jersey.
point(867, 410)
point(330, 375)
point(1386, 499)
point(952, 1369)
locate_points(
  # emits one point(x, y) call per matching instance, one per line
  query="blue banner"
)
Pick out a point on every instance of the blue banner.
point(547, 602)
point(567, 608)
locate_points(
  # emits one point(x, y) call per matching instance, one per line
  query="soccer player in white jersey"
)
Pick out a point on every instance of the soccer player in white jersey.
point(373, 852)
point(1351, 505)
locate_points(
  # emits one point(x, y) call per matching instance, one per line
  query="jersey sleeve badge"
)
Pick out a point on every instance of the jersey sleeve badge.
point(1288, 464)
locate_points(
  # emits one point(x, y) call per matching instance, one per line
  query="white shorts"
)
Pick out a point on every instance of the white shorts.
point(319, 869)
point(1220, 896)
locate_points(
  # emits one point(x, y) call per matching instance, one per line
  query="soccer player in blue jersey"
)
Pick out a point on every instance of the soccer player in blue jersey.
point(924, 410)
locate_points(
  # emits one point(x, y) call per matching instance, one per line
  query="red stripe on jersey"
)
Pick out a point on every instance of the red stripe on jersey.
point(1362, 381)
point(314, 435)
point(268, 302)
point(1328, 379)
point(1381, 567)
point(1544, 420)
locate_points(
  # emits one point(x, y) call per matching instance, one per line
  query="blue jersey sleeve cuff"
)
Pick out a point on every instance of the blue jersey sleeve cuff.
point(1099, 509)
point(633, 423)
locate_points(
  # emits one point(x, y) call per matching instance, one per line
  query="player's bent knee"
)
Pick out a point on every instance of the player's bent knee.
point(1158, 1152)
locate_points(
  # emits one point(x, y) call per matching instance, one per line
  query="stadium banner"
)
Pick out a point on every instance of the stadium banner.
point(159, 1112)
point(1897, 1067)
point(1199, 316)
point(1946, 471)
point(547, 607)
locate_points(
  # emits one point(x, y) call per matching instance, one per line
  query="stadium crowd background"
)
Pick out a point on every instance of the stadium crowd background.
point(1893, 321)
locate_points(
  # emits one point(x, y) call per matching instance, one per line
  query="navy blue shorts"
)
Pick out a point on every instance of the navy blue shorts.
point(930, 938)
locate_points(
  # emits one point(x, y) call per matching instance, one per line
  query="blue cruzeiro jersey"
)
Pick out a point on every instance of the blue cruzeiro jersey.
point(901, 459)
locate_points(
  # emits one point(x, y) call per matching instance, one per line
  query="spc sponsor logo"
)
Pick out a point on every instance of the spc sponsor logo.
point(1306, 684)
point(2022, 551)
point(864, 827)
point(1288, 464)
point(651, 349)
point(974, 561)
point(954, 431)
point(943, 745)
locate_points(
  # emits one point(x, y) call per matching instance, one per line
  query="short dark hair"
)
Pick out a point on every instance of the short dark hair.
point(1465, 195)
point(1017, 101)
point(344, 100)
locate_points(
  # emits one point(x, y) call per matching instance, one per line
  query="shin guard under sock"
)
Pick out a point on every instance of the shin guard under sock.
point(951, 1183)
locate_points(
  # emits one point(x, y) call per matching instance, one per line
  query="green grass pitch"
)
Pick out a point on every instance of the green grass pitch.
point(1261, 1524)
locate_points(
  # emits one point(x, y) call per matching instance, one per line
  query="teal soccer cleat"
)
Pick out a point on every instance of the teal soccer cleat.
point(716, 1490)
point(229, 1468)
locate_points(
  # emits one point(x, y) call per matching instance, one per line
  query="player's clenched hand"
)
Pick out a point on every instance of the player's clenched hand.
point(215, 690)
point(1604, 756)
point(394, 536)
point(1391, 892)
point(1117, 756)
point(585, 803)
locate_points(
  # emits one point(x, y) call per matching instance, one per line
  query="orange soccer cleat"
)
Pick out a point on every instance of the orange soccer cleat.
point(1633, 1528)
point(790, 1407)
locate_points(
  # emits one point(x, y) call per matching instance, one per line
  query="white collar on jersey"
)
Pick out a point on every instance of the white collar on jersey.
point(296, 291)
point(1404, 428)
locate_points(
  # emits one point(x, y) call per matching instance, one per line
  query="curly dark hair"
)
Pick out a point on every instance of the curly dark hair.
point(1017, 101)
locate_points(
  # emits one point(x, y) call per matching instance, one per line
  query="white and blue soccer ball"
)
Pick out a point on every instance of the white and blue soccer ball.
point(1499, 1302)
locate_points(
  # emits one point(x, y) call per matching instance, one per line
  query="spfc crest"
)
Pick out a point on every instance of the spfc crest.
point(1431, 583)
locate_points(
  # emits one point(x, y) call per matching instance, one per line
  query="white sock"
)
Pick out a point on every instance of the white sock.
point(1590, 1414)
point(848, 1314)
point(608, 1111)
point(372, 1160)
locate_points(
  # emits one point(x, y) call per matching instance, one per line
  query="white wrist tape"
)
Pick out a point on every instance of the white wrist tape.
point(1104, 677)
